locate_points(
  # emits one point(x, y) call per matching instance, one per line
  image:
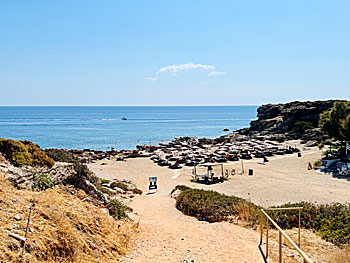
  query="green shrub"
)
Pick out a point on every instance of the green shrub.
point(332, 222)
point(42, 181)
point(302, 126)
point(21, 153)
point(105, 181)
point(105, 190)
point(122, 186)
point(317, 163)
point(117, 209)
point(320, 145)
point(212, 206)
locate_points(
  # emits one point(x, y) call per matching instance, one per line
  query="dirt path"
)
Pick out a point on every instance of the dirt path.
point(169, 236)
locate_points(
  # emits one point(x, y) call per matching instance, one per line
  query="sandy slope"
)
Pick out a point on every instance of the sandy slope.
point(169, 236)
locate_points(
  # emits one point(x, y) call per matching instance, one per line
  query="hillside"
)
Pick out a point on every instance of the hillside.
point(65, 227)
point(289, 121)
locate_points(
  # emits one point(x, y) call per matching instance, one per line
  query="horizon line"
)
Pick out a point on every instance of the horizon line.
point(228, 105)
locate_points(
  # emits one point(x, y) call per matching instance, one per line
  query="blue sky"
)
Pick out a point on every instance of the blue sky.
point(205, 52)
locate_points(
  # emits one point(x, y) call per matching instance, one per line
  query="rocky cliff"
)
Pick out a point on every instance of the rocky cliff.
point(294, 120)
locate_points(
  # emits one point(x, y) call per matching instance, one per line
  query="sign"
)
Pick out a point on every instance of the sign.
point(152, 183)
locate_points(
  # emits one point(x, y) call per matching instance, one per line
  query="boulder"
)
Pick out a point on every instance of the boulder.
point(313, 135)
point(175, 193)
point(311, 144)
point(22, 177)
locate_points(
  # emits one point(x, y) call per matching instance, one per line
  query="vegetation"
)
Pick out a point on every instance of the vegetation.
point(317, 163)
point(320, 145)
point(212, 206)
point(65, 227)
point(336, 122)
point(117, 209)
point(21, 153)
point(42, 181)
point(332, 222)
point(125, 187)
point(302, 126)
point(122, 186)
point(105, 181)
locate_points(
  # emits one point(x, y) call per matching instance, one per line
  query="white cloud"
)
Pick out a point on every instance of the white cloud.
point(216, 73)
point(175, 69)
point(150, 78)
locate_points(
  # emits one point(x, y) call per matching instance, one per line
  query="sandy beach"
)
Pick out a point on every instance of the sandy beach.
point(169, 236)
point(283, 179)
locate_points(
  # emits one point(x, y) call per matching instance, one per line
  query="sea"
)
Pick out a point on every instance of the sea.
point(101, 128)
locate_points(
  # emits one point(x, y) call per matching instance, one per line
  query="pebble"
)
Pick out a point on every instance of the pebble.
point(15, 226)
point(86, 199)
point(17, 217)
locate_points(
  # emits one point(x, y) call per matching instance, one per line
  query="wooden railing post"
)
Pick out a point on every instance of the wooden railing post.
point(267, 237)
point(280, 246)
point(299, 229)
point(281, 234)
point(261, 226)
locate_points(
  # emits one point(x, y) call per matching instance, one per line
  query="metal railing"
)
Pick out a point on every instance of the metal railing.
point(281, 234)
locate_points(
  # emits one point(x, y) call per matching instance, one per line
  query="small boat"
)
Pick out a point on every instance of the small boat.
point(123, 119)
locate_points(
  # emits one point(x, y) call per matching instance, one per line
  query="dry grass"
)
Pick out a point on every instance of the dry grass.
point(342, 256)
point(314, 246)
point(65, 228)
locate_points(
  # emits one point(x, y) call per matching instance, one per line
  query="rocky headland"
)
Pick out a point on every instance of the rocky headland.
point(289, 121)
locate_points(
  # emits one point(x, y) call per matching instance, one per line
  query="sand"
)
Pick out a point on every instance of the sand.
point(169, 236)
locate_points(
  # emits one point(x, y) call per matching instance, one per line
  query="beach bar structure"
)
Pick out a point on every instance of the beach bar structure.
point(209, 176)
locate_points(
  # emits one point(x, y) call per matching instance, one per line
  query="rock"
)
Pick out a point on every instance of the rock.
point(14, 226)
point(281, 119)
point(22, 177)
point(313, 135)
point(17, 217)
point(311, 144)
point(175, 193)
point(86, 199)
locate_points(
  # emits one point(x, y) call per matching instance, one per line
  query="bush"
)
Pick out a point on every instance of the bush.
point(105, 181)
point(320, 145)
point(117, 209)
point(42, 181)
point(212, 206)
point(21, 153)
point(317, 163)
point(302, 126)
point(332, 222)
point(122, 186)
